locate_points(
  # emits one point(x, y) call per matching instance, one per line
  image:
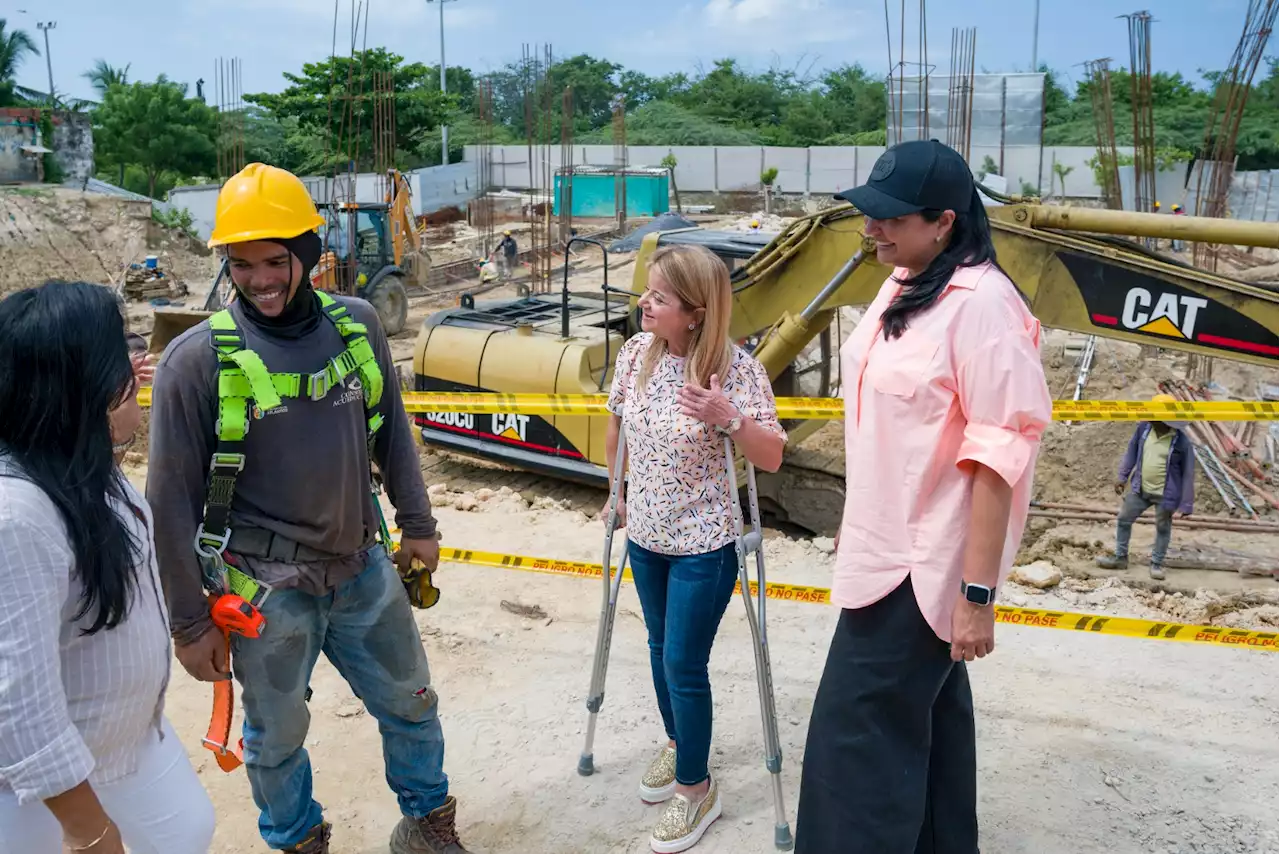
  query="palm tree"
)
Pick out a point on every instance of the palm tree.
point(104, 75)
point(14, 47)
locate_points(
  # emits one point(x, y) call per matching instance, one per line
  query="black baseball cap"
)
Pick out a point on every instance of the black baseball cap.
point(911, 177)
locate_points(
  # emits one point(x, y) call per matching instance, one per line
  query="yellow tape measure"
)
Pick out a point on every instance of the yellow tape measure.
point(1036, 618)
point(827, 408)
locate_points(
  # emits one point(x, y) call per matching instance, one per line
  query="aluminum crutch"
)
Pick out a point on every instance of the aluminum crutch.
point(608, 609)
point(746, 543)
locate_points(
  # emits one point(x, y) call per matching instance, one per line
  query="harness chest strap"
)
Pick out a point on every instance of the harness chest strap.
point(245, 386)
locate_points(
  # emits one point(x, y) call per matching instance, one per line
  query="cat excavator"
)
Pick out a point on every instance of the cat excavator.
point(1074, 266)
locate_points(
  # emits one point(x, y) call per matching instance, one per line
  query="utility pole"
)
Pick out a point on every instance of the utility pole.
point(45, 26)
point(444, 128)
point(1035, 40)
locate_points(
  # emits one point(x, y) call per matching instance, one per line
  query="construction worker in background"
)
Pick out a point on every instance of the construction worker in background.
point(755, 225)
point(1158, 469)
point(1156, 207)
point(1178, 245)
point(506, 252)
point(286, 456)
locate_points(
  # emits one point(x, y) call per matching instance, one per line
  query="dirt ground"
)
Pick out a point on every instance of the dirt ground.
point(1085, 742)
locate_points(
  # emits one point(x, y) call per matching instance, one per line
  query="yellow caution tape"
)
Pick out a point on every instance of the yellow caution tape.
point(826, 408)
point(1037, 618)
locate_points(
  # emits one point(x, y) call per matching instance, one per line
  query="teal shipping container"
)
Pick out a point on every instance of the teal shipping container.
point(593, 192)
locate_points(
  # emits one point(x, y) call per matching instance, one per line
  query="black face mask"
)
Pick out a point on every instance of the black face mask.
point(301, 314)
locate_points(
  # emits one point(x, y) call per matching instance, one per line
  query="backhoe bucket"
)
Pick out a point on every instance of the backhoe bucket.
point(170, 322)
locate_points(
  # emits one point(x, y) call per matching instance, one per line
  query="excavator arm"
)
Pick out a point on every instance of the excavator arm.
point(1074, 274)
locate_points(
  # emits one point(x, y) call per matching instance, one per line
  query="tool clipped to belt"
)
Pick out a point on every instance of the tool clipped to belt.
point(234, 606)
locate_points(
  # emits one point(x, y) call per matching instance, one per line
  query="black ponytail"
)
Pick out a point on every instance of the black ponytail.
point(969, 245)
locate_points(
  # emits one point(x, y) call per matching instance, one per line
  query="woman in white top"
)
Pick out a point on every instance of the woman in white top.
point(88, 762)
point(678, 389)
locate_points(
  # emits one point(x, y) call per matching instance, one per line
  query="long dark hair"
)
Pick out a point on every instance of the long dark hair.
point(968, 246)
point(64, 364)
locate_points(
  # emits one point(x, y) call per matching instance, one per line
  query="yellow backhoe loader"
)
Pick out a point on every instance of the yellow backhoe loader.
point(1072, 264)
point(372, 250)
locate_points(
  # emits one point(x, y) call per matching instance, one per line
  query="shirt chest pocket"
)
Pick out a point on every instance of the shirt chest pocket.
point(901, 368)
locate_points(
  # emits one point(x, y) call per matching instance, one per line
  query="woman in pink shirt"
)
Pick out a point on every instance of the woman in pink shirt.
point(945, 403)
point(678, 389)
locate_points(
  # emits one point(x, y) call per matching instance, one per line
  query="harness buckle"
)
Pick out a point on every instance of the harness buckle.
point(319, 384)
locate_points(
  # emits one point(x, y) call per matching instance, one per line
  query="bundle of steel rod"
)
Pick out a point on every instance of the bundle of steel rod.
point(1225, 454)
point(1095, 513)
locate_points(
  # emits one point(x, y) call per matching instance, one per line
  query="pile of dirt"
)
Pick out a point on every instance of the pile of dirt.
point(768, 223)
point(58, 233)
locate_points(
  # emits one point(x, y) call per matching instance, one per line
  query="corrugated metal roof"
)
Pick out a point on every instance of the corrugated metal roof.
point(93, 185)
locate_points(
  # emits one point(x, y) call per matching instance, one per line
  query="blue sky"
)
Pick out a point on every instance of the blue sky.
point(183, 38)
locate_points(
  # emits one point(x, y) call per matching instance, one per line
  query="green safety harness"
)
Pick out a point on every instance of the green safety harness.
point(246, 388)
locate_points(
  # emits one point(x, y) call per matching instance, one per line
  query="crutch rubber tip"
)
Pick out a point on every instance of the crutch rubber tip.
point(586, 766)
point(782, 837)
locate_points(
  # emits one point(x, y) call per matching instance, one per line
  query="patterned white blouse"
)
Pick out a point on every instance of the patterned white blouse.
point(678, 486)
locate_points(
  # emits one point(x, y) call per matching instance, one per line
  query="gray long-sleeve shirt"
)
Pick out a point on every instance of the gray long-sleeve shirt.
point(306, 474)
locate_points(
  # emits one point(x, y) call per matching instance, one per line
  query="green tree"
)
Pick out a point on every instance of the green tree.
point(15, 47)
point(318, 100)
point(156, 128)
point(104, 75)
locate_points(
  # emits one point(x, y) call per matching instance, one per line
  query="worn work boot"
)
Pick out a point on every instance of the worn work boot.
point(1157, 572)
point(434, 834)
point(316, 841)
point(1113, 561)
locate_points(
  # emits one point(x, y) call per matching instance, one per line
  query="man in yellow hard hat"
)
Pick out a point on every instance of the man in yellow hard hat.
point(266, 420)
point(1158, 470)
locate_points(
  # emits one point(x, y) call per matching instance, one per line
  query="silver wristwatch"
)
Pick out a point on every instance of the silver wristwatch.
point(735, 423)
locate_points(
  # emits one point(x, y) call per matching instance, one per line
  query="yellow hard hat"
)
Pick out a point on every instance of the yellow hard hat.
point(1157, 203)
point(507, 233)
point(263, 202)
point(1164, 398)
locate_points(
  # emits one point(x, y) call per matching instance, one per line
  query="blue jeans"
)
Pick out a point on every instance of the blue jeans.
point(365, 628)
point(683, 598)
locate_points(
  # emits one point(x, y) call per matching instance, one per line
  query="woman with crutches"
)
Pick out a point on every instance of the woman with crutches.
point(678, 389)
point(945, 403)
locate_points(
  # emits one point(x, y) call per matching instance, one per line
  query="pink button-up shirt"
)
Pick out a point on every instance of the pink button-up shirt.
point(963, 384)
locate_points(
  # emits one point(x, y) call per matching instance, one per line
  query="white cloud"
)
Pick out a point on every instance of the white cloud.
point(794, 23)
point(754, 31)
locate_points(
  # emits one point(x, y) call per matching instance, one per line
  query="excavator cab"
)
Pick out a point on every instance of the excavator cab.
point(361, 258)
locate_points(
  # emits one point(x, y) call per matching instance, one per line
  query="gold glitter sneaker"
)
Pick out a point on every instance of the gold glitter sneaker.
point(683, 823)
point(659, 782)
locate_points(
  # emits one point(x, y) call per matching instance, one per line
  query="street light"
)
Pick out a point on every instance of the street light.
point(45, 26)
point(444, 128)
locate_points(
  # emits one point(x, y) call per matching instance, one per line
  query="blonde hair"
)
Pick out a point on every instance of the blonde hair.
point(699, 280)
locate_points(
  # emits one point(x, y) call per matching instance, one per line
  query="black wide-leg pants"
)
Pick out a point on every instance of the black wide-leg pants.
point(890, 763)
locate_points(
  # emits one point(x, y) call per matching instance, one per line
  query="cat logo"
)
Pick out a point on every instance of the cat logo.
point(509, 425)
point(1168, 314)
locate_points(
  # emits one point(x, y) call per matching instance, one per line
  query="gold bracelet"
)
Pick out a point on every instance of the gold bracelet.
point(101, 836)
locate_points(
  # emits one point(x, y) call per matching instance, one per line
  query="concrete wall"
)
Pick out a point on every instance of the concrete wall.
point(817, 170)
point(18, 127)
point(73, 144)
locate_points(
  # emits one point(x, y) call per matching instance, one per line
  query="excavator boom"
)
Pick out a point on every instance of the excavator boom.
point(1074, 273)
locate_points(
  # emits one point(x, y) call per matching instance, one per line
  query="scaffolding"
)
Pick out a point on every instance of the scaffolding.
point(620, 164)
point(1144, 131)
point(229, 95)
point(959, 91)
point(1104, 124)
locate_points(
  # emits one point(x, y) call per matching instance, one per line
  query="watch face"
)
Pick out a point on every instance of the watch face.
point(977, 594)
